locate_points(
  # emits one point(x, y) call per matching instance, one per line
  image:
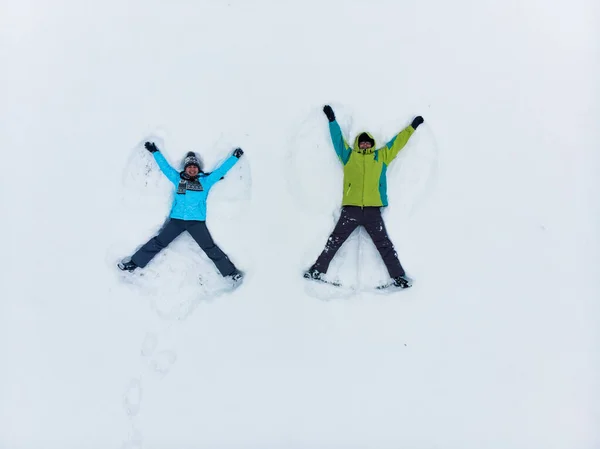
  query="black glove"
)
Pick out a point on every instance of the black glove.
point(329, 113)
point(238, 152)
point(150, 146)
point(417, 121)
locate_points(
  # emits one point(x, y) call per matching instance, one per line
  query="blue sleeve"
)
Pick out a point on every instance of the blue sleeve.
point(218, 173)
point(169, 172)
point(339, 143)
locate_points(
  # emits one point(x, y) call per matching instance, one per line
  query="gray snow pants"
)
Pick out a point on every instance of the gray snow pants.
point(351, 218)
point(199, 232)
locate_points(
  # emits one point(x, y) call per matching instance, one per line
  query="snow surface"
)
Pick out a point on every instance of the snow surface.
point(494, 212)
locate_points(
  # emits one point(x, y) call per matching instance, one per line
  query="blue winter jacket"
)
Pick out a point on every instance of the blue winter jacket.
point(192, 204)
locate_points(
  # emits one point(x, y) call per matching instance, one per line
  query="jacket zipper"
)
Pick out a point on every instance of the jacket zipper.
point(362, 205)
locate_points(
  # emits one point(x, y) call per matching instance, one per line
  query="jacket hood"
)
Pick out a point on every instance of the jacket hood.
point(357, 148)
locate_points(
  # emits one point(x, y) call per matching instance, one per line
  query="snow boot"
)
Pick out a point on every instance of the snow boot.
point(313, 273)
point(236, 276)
point(402, 282)
point(127, 266)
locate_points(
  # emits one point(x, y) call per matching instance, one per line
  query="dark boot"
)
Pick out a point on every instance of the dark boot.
point(402, 281)
point(313, 273)
point(127, 266)
point(236, 276)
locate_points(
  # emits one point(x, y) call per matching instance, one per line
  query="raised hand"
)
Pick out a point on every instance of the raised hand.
point(417, 121)
point(151, 146)
point(329, 113)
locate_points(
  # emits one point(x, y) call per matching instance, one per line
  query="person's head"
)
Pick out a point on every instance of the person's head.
point(192, 170)
point(191, 164)
point(365, 141)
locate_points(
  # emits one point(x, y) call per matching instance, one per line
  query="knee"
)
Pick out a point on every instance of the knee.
point(384, 243)
point(333, 240)
point(159, 242)
point(213, 251)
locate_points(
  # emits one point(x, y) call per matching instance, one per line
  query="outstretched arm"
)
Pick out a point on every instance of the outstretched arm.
point(218, 173)
point(393, 147)
point(165, 167)
point(340, 145)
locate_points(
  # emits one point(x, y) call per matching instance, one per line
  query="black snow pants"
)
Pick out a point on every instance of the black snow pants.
point(199, 232)
point(351, 218)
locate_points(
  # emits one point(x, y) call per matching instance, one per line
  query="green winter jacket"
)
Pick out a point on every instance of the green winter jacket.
point(365, 181)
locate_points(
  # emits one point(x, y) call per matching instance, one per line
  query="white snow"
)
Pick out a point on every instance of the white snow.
point(494, 210)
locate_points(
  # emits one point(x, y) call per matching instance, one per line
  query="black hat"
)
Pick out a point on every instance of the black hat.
point(191, 159)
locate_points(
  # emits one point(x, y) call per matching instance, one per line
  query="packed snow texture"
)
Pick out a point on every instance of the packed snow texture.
point(494, 211)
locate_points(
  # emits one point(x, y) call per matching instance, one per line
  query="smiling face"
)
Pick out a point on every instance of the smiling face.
point(191, 170)
point(365, 145)
point(364, 141)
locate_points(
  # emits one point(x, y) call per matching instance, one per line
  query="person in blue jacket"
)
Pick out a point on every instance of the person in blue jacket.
point(188, 212)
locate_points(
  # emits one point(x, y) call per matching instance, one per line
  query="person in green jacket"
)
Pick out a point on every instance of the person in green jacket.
point(365, 193)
